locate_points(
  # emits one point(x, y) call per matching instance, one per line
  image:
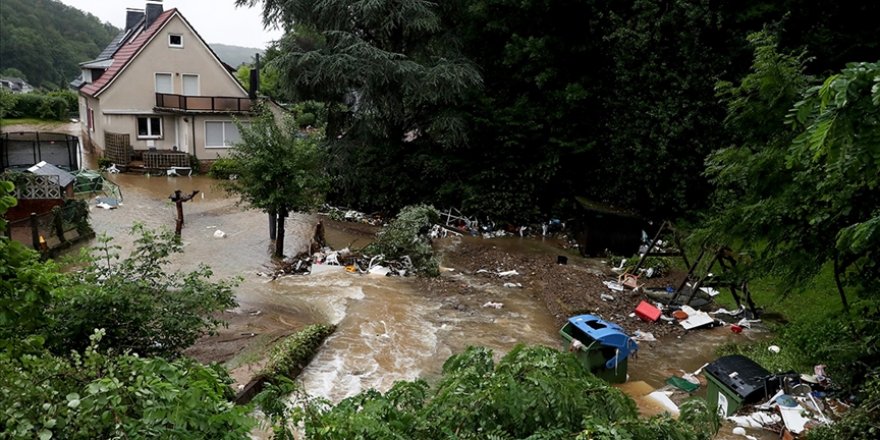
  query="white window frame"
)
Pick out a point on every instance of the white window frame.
point(224, 122)
point(177, 46)
point(150, 134)
point(156, 81)
point(183, 83)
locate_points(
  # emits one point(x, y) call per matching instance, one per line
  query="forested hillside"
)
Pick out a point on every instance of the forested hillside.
point(46, 40)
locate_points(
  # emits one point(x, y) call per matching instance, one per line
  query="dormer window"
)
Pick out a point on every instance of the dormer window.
point(175, 40)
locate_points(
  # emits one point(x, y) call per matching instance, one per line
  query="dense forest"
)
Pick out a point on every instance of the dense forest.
point(45, 40)
point(510, 109)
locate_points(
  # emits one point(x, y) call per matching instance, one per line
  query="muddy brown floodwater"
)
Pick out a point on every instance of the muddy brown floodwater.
point(389, 329)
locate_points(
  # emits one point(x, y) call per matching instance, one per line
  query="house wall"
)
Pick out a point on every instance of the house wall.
point(132, 92)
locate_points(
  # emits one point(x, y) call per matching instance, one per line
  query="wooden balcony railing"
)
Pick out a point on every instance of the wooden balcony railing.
point(216, 104)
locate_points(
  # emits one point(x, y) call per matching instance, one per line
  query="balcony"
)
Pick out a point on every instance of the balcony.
point(202, 104)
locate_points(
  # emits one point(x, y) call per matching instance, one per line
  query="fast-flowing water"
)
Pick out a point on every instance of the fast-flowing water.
point(388, 330)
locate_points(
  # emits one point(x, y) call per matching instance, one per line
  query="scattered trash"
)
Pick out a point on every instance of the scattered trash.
point(662, 397)
point(219, 234)
point(682, 384)
point(106, 206)
point(379, 270)
point(606, 297)
point(736, 329)
point(494, 305)
point(695, 318)
point(643, 336)
point(647, 312)
point(740, 431)
point(680, 315)
point(513, 285)
point(112, 169)
point(710, 291)
point(508, 273)
point(613, 285)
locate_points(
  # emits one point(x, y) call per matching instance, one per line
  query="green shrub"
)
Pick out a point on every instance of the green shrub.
point(223, 167)
point(291, 355)
point(104, 163)
point(407, 236)
point(57, 105)
point(305, 120)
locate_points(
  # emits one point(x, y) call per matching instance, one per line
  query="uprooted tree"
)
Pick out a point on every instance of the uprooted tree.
point(279, 170)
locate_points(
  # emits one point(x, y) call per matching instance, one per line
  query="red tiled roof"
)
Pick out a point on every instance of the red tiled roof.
point(126, 53)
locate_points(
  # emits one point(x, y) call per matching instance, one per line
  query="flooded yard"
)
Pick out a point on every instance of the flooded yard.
point(389, 329)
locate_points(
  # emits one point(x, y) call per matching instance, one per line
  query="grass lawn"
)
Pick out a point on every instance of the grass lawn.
point(42, 123)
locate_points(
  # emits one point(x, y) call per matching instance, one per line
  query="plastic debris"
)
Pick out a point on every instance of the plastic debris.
point(513, 285)
point(508, 273)
point(613, 285)
point(606, 297)
point(643, 336)
point(774, 349)
point(494, 305)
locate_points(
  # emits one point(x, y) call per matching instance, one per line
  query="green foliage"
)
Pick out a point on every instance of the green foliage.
point(56, 105)
point(223, 168)
point(305, 120)
point(26, 285)
point(809, 197)
point(392, 78)
point(145, 307)
point(290, 356)
point(46, 40)
point(533, 392)
point(277, 169)
point(407, 236)
point(8, 100)
point(94, 395)
point(104, 163)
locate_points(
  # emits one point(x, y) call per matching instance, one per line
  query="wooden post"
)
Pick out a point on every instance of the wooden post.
point(35, 231)
point(178, 200)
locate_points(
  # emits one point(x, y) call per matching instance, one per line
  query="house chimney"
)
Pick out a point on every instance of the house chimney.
point(133, 17)
point(154, 9)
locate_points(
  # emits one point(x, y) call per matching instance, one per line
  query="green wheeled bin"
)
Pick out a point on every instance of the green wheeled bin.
point(601, 347)
point(735, 381)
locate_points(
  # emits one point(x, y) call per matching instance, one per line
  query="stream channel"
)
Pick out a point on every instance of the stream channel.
point(387, 329)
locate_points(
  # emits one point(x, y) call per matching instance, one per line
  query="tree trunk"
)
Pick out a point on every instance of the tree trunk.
point(837, 271)
point(279, 237)
point(272, 223)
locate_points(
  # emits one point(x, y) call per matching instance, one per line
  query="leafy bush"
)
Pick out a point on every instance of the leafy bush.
point(94, 395)
point(144, 306)
point(305, 120)
point(223, 167)
point(57, 105)
point(291, 355)
point(407, 236)
point(104, 163)
point(533, 392)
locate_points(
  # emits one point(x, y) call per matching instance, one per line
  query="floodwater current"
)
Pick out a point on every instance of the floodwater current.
point(388, 329)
